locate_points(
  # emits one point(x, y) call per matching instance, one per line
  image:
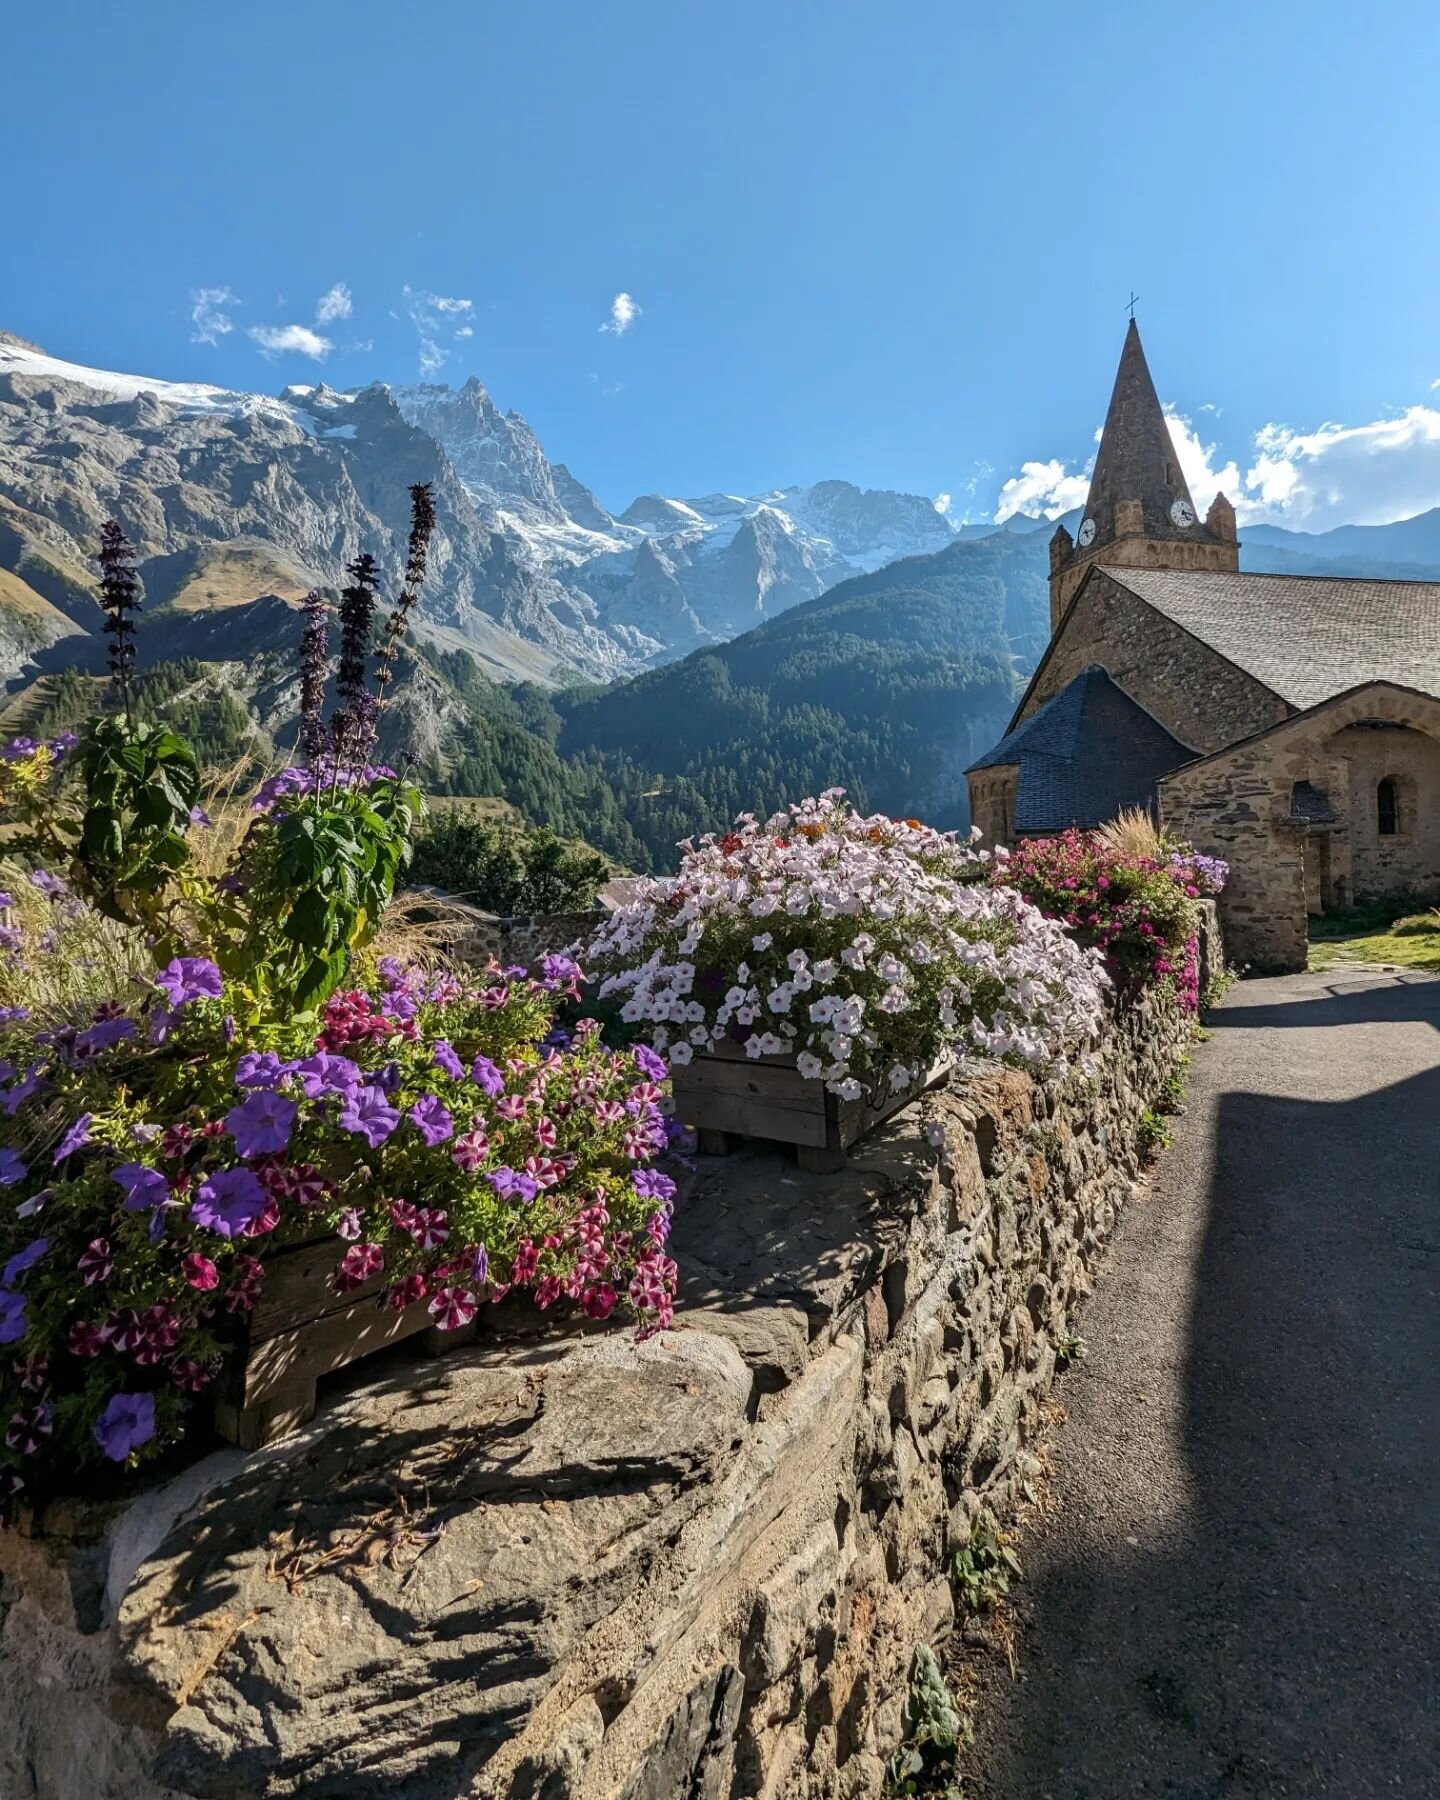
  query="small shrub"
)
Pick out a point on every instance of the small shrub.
point(1152, 1135)
point(935, 1731)
point(506, 869)
point(981, 1571)
point(1071, 1348)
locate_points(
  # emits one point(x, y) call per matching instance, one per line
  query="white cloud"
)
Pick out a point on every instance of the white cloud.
point(336, 304)
point(278, 340)
point(1046, 488)
point(209, 321)
point(437, 317)
point(1311, 480)
point(623, 314)
point(941, 503)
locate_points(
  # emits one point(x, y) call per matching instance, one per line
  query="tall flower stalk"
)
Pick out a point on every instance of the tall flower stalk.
point(120, 601)
point(352, 726)
point(422, 526)
point(314, 651)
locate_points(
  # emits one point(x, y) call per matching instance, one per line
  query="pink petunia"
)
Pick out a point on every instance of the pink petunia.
point(452, 1307)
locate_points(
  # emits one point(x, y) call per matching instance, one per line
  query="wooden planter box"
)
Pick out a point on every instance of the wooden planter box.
point(300, 1330)
point(726, 1096)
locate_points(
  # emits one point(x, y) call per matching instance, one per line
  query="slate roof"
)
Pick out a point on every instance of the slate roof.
point(1305, 637)
point(1084, 755)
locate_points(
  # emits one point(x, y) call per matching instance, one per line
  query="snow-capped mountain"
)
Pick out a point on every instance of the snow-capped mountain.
point(678, 571)
point(229, 496)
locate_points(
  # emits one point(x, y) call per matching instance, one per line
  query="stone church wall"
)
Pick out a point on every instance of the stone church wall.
point(1238, 804)
point(1409, 858)
point(1196, 695)
point(566, 1566)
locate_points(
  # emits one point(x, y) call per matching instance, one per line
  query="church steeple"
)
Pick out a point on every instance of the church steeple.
point(1139, 512)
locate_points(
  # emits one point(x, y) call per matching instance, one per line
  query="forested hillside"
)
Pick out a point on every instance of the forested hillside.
point(887, 686)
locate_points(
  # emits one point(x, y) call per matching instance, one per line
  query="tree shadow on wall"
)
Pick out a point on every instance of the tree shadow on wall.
point(1285, 1641)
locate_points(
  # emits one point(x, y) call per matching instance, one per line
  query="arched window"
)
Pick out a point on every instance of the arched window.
point(1387, 807)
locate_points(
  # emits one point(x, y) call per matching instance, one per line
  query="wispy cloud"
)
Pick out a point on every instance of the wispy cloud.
point(440, 321)
point(279, 340)
point(308, 340)
point(942, 503)
point(623, 314)
point(335, 304)
point(207, 317)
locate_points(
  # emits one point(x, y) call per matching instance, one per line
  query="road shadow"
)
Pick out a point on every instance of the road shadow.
point(1284, 1638)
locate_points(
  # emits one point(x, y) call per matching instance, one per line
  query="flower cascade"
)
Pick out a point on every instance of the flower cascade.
point(1139, 912)
point(864, 947)
point(449, 1138)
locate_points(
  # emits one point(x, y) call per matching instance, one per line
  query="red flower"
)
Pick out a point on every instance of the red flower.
point(452, 1307)
point(96, 1261)
point(359, 1264)
point(85, 1339)
point(199, 1271)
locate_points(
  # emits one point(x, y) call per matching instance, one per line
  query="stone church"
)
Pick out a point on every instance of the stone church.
point(1290, 724)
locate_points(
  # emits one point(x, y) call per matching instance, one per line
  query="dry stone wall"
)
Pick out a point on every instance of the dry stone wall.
point(561, 1566)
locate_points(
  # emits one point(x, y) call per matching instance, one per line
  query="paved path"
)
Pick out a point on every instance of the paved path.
point(1238, 1595)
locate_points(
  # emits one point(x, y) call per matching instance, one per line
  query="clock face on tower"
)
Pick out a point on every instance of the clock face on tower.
point(1087, 532)
point(1183, 514)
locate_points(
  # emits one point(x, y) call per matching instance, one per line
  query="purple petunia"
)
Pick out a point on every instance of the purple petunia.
point(187, 978)
point(556, 969)
point(12, 1316)
point(12, 1168)
point(261, 1069)
point(447, 1060)
point(103, 1035)
point(432, 1119)
point(326, 1073)
point(510, 1184)
point(649, 1063)
point(368, 1112)
point(142, 1186)
point(127, 1423)
point(486, 1075)
point(22, 1091)
point(480, 1267)
point(75, 1138)
point(650, 1184)
point(199, 816)
point(23, 1260)
point(229, 1201)
point(51, 886)
point(262, 1123)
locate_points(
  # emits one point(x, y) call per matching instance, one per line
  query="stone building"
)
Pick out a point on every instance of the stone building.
point(1290, 724)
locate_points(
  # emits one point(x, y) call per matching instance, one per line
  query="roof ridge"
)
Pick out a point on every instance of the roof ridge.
point(1120, 573)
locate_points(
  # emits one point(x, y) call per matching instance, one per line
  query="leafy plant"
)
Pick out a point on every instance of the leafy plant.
point(981, 1571)
point(141, 783)
point(935, 1731)
point(1071, 1348)
point(1152, 1135)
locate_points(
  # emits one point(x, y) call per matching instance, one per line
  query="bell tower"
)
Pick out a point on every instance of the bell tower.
point(1139, 513)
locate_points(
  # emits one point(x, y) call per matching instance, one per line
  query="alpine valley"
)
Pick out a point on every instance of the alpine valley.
point(623, 677)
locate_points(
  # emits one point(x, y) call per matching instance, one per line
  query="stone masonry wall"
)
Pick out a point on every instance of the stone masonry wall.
point(558, 1564)
point(1195, 694)
point(1237, 805)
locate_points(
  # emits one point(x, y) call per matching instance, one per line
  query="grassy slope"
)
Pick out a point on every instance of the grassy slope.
point(1401, 931)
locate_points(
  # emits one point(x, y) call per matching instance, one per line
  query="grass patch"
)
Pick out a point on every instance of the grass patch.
point(1400, 929)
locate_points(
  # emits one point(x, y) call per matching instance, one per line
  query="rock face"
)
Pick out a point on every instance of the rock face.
point(565, 1565)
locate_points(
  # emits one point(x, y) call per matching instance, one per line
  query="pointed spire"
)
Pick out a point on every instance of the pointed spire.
point(1138, 487)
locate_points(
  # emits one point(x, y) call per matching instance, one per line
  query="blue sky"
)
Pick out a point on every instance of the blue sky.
point(890, 242)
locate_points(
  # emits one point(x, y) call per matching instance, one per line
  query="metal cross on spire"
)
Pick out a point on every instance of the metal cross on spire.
point(1133, 298)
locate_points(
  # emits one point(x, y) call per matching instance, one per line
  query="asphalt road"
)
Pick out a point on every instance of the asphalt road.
point(1238, 1593)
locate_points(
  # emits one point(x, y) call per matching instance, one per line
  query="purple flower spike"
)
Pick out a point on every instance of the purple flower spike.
point(127, 1423)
